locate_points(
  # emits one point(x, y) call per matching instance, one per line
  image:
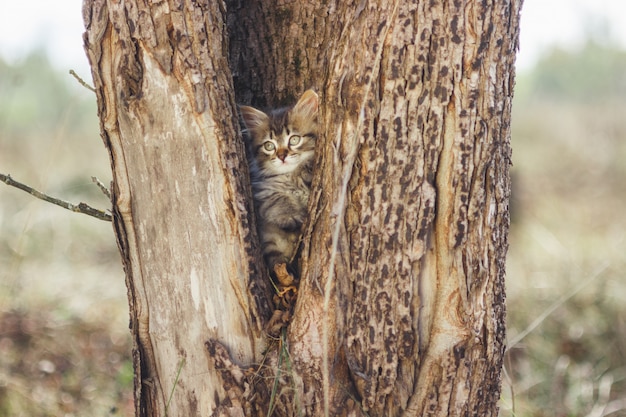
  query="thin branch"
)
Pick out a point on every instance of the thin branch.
point(80, 208)
point(82, 82)
point(102, 187)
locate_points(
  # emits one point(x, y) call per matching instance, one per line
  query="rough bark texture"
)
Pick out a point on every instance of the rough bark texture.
point(400, 309)
point(181, 203)
point(412, 195)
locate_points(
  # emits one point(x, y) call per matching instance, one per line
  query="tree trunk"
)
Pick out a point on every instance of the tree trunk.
point(400, 308)
point(182, 207)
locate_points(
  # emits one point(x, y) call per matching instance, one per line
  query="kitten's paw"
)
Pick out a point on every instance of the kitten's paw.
point(284, 299)
point(284, 277)
point(286, 289)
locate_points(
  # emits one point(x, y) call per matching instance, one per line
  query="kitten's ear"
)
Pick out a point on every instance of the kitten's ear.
point(253, 118)
point(307, 106)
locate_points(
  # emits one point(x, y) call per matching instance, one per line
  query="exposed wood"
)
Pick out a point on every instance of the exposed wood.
point(400, 308)
point(181, 202)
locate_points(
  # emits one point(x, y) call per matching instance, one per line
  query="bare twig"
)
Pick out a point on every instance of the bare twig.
point(80, 208)
point(82, 82)
point(102, 187)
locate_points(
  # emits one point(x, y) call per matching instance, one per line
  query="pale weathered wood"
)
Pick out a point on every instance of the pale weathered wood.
point(181, 205)
point(400, 309)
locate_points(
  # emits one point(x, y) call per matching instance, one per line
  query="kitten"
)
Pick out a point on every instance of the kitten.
point(281, 147)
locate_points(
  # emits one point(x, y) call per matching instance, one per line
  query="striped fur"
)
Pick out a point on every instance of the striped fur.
point(281, 146)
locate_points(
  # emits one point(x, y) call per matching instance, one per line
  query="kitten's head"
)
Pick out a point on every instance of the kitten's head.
point(284, 138)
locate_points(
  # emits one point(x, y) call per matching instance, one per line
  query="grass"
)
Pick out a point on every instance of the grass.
point(568, 223)
point(56, 365)
point(64, 341)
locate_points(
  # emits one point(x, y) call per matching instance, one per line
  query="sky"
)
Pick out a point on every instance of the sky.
point(57, 26)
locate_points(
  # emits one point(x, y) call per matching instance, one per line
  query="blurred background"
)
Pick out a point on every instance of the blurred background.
point(64, 342)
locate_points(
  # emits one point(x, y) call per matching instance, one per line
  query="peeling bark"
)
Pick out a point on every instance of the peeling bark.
point(400, 308)
point(181, 201)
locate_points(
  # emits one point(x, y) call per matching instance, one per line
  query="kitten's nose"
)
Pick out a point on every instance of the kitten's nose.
point(281, 154)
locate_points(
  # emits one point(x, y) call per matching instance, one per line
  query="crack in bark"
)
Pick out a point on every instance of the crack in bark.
point(406, 315)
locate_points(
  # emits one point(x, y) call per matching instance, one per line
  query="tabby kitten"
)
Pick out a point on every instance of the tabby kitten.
point(281, 146)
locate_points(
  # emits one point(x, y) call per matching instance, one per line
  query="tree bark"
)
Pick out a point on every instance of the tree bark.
point(181, 202)
point(400, 308)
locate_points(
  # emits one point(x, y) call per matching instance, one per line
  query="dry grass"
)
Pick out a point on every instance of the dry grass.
point(567, 236)
point(62, 366)
point(64, 343)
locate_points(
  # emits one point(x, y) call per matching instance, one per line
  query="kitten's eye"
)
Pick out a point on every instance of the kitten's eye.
point(294, 140)
point(269, 146)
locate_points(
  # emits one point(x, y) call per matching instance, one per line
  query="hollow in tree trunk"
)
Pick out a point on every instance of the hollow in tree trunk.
point(400, 308)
